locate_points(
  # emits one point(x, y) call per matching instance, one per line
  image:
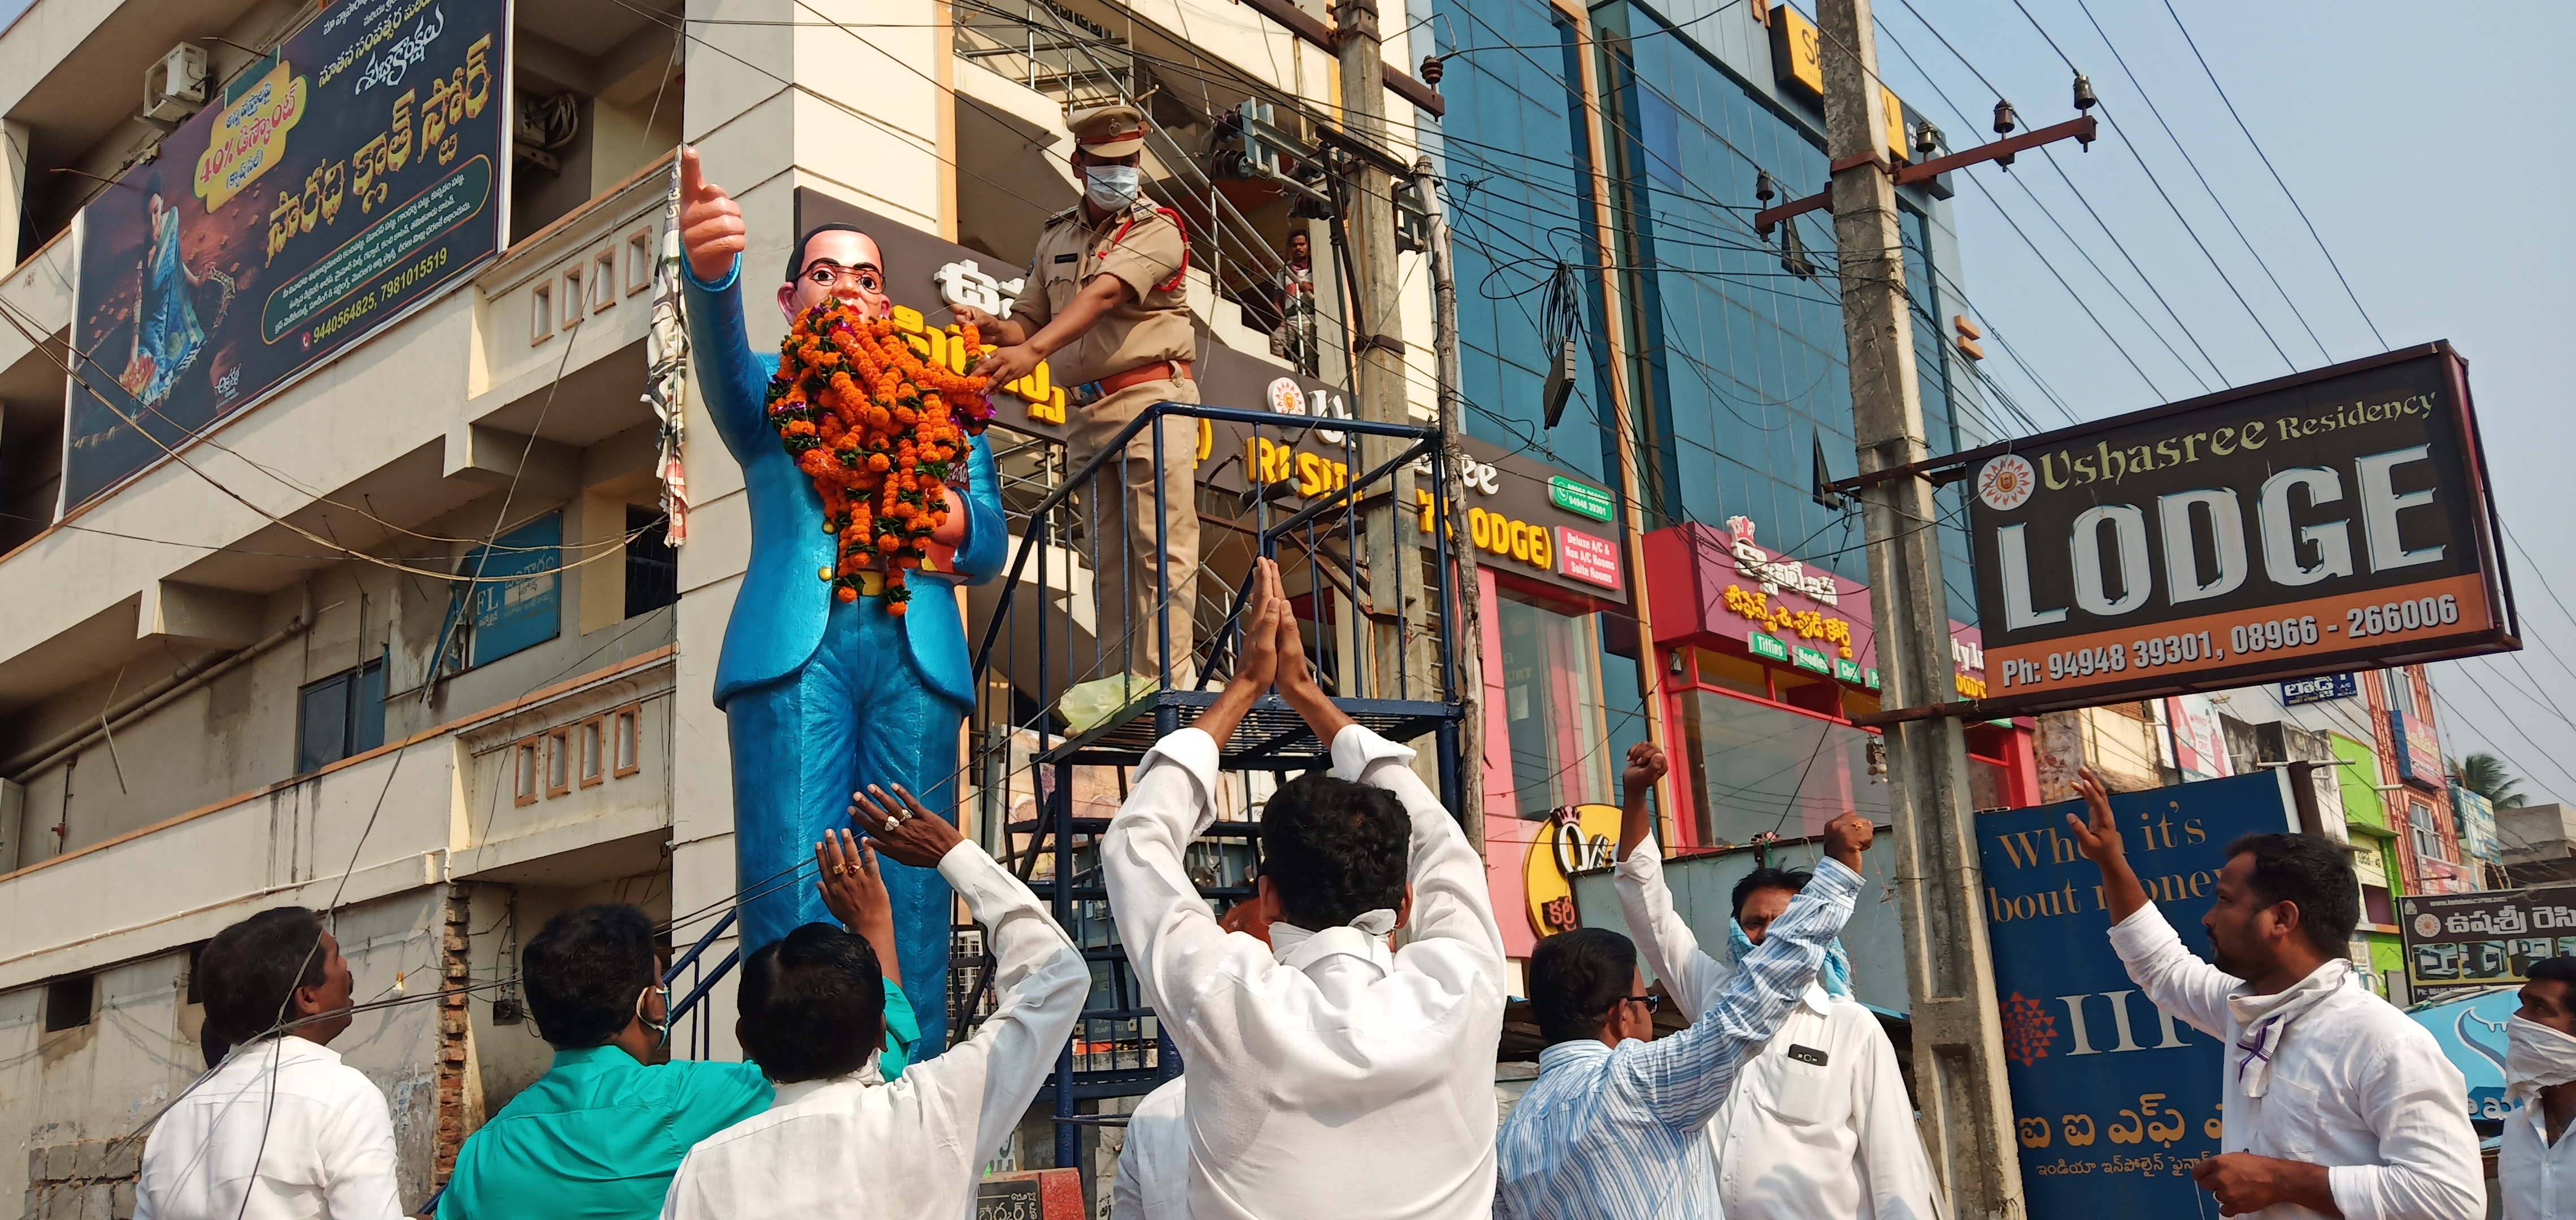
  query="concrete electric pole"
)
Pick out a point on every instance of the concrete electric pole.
point(1399, 643)
point(1949, 972)
point(1469, 637)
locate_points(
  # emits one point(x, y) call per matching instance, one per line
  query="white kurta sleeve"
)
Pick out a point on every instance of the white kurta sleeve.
point(2428, 1153)
point(2172, 977)
point(1039, 980)
point(1450, 900)
point(1691, 977)
point(1896, 1178)
point(356, 1149)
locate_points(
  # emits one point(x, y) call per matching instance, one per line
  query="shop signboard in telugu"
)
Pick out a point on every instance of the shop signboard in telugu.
point(2114, 1099)
point(1524, 517)
point(2318, 689)
point(2485, 939)
point(1725, 583)
point(351, 177)
point(2333, 520)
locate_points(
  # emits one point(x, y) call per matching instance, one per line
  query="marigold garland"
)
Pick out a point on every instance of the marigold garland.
point(880, 431)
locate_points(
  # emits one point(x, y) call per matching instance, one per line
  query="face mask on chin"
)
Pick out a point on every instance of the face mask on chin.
point(1111, 188)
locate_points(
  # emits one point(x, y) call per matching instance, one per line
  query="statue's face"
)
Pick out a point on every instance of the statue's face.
point(843, 264)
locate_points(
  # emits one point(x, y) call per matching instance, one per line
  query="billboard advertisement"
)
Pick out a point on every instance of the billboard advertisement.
point(1727, 584)
point(350, 177)
point(2114, 1099)
point(2488, 938)
point(2333, 520)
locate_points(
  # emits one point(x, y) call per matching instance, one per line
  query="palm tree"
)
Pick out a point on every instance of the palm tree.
point(2485, 775)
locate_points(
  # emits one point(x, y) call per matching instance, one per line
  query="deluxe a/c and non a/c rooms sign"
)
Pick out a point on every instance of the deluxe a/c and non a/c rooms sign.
point(2332, 520)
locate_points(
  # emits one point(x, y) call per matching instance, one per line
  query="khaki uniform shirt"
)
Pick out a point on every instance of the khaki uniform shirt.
point(1155, 326)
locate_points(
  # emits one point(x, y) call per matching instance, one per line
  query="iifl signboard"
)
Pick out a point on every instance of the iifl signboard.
point(2333, 520)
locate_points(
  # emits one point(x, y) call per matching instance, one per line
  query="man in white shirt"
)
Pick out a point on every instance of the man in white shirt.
point(280, 1129)
point(1327, 1075)
point(1154, 1158)
point(1819, 1125)
point(837, 1142)
point(2533, 1168)
point(1615, 1126)
point(2336, 1103)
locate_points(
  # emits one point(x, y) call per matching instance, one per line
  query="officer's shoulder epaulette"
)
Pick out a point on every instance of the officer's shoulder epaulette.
point(1061, 217)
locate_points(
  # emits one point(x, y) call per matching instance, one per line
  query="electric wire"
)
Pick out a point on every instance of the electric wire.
point(2188, 228)
point(2239, 230)
point(1961, 114)
point(2277, 180)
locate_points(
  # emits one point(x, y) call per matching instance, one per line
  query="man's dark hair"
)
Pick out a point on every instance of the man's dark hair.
point(813, 1005)
point(2312, 873)
point(1334, 850)
point(2553, 970)
point(1768, 878)
point(585, 971)
point(796, 257)
point(249, 972)
point(1576, 976)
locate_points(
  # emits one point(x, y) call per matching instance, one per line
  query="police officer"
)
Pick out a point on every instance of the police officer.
point(1106, 302)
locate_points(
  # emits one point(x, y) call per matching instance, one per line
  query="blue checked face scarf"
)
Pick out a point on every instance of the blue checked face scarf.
point(1835, 974)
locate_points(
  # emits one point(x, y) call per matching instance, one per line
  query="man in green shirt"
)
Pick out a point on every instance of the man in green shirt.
point(600, 1134)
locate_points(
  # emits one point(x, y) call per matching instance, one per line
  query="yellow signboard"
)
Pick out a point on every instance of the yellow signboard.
point(1797, 58)
point(1577, 838)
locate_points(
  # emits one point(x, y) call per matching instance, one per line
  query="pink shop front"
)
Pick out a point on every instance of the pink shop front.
point(1766, 661)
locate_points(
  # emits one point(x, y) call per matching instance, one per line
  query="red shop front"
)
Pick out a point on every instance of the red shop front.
point(1766, 662)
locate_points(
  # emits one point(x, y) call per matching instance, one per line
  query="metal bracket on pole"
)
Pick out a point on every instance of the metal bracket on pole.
point(2080, 130)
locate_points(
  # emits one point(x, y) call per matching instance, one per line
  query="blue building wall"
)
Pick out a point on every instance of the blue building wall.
point(1736, 365)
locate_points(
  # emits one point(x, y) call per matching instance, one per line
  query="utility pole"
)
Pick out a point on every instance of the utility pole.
point(1949, 970)
point(1469, 638)
point(1399, 640)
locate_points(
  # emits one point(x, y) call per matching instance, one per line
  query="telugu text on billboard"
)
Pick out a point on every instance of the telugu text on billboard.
point(326, 191)
point(2329, 521)
point(2484, 939)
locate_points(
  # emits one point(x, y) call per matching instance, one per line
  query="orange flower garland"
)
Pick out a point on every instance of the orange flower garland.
point(880, 431)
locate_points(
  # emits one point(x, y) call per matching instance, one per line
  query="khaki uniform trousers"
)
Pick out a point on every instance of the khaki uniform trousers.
point(1118, 512)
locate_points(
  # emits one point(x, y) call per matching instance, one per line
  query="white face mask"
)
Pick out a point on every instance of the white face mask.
point(1111, 187)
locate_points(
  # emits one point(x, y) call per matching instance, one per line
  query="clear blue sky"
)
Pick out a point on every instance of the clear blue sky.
point(2421, 140)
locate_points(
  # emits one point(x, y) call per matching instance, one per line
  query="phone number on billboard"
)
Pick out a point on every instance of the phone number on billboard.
point(2411, 615)
point(2191, 647)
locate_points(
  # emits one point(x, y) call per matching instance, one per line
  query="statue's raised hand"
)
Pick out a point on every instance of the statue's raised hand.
point(711, 232)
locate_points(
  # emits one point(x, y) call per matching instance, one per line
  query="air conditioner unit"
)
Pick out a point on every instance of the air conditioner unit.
point(175, 86)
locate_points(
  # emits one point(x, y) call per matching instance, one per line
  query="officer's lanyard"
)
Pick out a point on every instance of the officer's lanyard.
point(1179, 273)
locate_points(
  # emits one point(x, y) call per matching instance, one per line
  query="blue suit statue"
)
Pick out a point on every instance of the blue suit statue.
point(822, 696)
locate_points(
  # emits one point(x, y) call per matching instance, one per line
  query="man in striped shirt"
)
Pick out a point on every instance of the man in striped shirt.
point(1614, 1126)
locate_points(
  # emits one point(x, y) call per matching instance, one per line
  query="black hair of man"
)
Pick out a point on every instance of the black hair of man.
point(813, 1005)
point(796, 257)
point(1768, 878)
point(2312, 873)
point(585, 971)
point(249, 972)
point(1334, 850)
point(1574, 977)
point(2552, 970)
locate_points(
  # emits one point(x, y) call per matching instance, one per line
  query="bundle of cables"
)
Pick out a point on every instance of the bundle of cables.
point(1560, 318)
